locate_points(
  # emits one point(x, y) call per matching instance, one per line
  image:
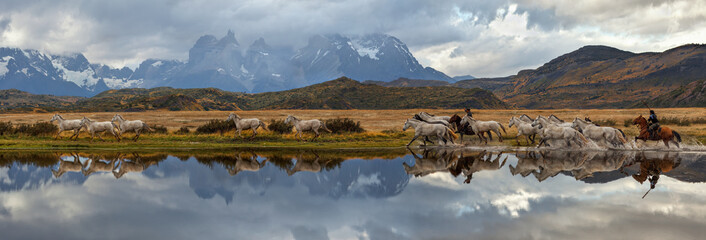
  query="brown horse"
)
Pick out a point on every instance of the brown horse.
point(455, 123)
point(663, 133)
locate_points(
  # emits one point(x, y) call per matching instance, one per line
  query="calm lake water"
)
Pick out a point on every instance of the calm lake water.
point(352, 194)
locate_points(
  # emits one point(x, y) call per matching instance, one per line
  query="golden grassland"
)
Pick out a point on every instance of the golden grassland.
point(383, 127)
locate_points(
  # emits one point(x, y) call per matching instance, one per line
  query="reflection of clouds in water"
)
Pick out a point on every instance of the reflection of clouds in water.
point(512, 203)
point(299, 206)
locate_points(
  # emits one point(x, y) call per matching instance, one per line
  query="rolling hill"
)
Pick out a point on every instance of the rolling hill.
point(691, 95)
point(26, 102)
point(600, 77)
point(342, 93)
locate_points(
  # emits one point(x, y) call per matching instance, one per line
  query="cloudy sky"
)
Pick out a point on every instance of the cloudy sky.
point(483, 38)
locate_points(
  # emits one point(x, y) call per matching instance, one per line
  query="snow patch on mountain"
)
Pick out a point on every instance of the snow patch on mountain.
point(84, 78)
point(3, 65)
point(365, 48)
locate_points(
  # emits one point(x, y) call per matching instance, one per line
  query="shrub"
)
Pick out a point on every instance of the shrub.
point(183, 130)
point(159, 128)
point(278, 126)
point(5, 128)
point(213, 126)
point(36, 129)
point(341, 125)
point(627, 122)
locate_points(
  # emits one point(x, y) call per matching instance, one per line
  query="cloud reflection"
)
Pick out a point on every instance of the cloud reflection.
point(355, 199)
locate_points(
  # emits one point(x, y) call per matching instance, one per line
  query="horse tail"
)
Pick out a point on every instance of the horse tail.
point(621, 136)
point(582, 137)
point(451, 132)
point(262, 124)
point(501, 126)
point(145, 126)
point(323, 124)
point(676, 134)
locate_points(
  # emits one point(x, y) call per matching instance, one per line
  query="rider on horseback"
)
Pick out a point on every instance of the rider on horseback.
point(654, 124)
point(468, 112)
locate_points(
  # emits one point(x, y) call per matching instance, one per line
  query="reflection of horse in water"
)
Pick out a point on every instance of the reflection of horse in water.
point(527, 163)
point(555, 162)
point(95, 164)
point(247, 163)
point(469, 164)
point(652, 168)
point(601, 162)
point(307, 165)
point(126, 166)
point(431, 161)
point(68, 166)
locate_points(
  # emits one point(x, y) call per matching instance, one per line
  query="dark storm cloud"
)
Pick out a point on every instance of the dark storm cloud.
point(127, 32)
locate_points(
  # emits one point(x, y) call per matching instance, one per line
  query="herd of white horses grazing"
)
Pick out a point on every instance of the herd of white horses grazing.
point(553, 131)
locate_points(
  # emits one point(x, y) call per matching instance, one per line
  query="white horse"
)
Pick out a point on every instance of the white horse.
point(526, 118)
point(550, 131)
point(245, 124)
point(484, 126)
point(554, 119)
point(306, 125)
point(524, 129)
point(443, 133)
point(426, 117)
point(433, 117)
point(67, 125)
point(94, 127)
point(248, 163)
point(599, 134)
point(135, 125)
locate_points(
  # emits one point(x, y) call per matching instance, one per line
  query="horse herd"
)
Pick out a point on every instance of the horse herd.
point(138, 126)
point(553, 131)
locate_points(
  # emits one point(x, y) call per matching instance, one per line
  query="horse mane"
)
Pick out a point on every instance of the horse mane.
point(557, 118)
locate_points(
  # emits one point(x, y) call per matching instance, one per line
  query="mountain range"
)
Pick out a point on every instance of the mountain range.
point(220, 63)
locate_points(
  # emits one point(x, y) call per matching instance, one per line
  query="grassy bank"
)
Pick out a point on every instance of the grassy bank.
point(210, 141)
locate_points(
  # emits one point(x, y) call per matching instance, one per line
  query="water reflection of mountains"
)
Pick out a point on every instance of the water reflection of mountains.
point(329, 173)
point(322, 172)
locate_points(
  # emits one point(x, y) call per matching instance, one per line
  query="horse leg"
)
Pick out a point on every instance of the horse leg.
point(666, 143)
point(57, 134)
point(414, 138)
point(238, 130)
point(93, 135)
point(100, 137)
point(316, 134)
point(500, 136)
point(254, 132)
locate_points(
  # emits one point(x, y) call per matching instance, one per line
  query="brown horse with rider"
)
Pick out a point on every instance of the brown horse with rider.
point(664, 134)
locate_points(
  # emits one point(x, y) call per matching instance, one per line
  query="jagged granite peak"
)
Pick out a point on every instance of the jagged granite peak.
point(366, 57)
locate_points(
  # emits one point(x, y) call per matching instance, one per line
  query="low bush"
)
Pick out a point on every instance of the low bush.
point(5, 128)
point(183, 130)
point(341, 125)
point(279, 126)
point(216, 126)
point(159, 128)
point(36, 129)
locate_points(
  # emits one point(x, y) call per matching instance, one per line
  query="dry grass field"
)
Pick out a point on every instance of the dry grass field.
point(379, 120)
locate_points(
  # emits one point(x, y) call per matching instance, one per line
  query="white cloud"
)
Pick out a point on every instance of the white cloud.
point(490, 38)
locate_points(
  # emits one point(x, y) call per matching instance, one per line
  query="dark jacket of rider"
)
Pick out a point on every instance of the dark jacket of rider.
point(653, 117)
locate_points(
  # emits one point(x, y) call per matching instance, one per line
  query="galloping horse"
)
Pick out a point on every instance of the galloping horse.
point(484, 126)
point(455, 122)
point(306, 125)
point(245, 124)
point(67, 125)
point(135, 125)
point(443, 133)
point(665, 134)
